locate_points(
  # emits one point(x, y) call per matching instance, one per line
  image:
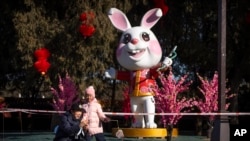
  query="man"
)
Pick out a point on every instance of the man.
point(71, 127)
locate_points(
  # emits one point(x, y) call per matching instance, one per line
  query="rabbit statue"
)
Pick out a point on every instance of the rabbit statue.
point(139, 52)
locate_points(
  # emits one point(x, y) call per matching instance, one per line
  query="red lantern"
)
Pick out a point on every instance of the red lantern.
point(42, 66)
point(87, 30)
point(87, 16)
point(83, 17)
point(161, 4)
point(248, 18)
point(41, 54)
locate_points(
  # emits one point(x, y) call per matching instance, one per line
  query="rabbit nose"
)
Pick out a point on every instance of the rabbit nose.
point(134, 41)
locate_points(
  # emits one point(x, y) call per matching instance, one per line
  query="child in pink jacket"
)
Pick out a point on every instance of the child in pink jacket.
point(95, 116)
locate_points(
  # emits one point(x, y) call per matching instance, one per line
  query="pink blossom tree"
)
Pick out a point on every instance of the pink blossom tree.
point(209, 103)
point(65, 94)
point(168, 100)
point(209, 90)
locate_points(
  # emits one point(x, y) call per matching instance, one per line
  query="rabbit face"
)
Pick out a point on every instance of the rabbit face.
point(138, 49)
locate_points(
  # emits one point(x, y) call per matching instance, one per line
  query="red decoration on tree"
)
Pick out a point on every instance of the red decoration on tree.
point(86, 28)
point(42, 54)
point(87, 17)
point(248, 18)
point(83, 17)
point(161, 4)
point(41, 64)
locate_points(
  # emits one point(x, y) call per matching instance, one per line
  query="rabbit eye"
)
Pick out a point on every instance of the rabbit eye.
point(145, 36)
point(127, 38)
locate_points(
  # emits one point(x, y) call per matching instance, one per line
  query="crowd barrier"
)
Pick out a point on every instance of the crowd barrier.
point(123, 114)
point(184, 127)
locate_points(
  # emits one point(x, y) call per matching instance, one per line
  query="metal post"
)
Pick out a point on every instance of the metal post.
point(221, 128)
point(21, 121)
point(113, 95)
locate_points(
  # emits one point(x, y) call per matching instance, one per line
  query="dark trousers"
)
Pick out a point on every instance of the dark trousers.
point(98, 137)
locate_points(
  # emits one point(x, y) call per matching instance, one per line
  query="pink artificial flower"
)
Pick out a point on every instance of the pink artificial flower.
point(166, 97)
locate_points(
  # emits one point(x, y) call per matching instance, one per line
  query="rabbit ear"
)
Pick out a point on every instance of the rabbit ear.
point(151, 18)
point(119, 19)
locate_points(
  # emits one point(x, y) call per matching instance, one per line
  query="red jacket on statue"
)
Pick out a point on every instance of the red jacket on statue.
point(140, 81)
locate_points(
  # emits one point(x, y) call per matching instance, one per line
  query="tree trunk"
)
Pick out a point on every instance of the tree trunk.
point(210, 128)
point(199, 126)
point(169, 132)
point(209, 131)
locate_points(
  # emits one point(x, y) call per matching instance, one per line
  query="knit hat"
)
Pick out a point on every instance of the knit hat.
point(76, 107)
point(90, 91)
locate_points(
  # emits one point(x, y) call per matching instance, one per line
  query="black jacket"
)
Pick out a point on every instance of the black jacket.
point(68, 129)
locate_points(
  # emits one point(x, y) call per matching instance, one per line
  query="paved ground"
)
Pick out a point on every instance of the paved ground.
point(48, 136)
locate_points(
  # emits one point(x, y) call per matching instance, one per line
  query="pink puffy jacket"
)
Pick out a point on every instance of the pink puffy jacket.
point(95, 117)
